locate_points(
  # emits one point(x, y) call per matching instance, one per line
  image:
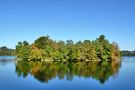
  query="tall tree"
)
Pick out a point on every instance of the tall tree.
point(41, 42)
point(23, 50)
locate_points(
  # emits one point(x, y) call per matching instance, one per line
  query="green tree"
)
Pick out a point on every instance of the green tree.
point(41, 42)
point(23, 50)
point(89, 51)
point(103, 48)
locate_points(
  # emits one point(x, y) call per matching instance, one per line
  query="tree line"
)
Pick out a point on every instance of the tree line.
point(4, 51)
point(127, 53)
point(47, 49)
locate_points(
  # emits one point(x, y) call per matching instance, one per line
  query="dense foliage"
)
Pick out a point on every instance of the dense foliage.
point(4, 51)
point(127, 53)
point(47, 49)
point(45, 71)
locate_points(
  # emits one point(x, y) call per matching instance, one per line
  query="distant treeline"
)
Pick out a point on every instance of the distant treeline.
point(47, 49)
point(127, 53)
point(4, 51)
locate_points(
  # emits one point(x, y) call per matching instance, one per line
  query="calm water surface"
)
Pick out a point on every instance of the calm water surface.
point(24, 75)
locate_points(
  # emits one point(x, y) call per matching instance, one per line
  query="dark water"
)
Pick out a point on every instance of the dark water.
point(24, 75)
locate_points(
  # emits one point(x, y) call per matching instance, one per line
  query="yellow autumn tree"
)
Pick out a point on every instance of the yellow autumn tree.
point(36, 53)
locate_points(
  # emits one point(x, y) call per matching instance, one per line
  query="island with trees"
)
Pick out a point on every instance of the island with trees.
point(46, 49)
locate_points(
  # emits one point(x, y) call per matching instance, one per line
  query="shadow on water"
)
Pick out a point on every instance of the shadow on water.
point(6, 59)
point(45, 71)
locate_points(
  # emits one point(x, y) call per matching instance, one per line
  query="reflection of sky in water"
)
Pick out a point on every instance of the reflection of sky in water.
point(7, 57)
point(128, 60)
point(125, 79)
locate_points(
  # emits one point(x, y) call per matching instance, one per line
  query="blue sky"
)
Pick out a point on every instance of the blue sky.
point(67, 19)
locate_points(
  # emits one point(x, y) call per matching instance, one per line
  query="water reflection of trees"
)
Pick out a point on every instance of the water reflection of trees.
point(45, 71)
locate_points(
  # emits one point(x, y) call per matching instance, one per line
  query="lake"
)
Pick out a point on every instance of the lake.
point(23, 75)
